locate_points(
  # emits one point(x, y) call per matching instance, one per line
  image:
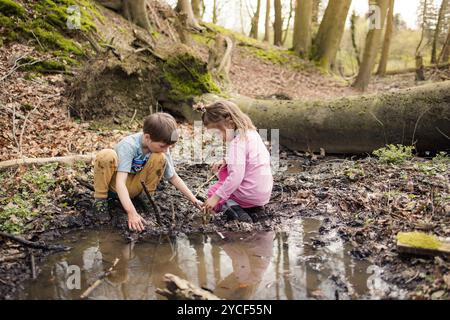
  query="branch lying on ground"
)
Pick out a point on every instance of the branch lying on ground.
point(28, 161)
point(36, 245)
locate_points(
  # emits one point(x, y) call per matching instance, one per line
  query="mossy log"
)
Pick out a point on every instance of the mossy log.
point(360, 124)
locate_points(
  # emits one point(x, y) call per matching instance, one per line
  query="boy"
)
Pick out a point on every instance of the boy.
point(143, 156)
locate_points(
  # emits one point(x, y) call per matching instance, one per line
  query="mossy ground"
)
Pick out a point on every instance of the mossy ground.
point(187, 77)
point(45, 24)
point(35, 195)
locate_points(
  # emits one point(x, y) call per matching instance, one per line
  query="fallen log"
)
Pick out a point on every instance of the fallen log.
point(180, 289)
point(419, 243)
point(35, 245)
point(417, 116)
point(412, 70)
point(28, 161)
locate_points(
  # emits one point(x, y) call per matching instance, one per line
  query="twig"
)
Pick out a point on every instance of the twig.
point(36, 245)
point(33, 266)
point(85, 183)
point(203, 184)
point(417, 123)
point(134, 115)
point(40, 44)
point(17, 66)
point(154, 205)
point(13, 257)
point(24, 125)
point(99, 280)
point(442, 133)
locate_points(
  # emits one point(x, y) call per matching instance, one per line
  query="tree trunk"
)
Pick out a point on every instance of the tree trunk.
point(286, 31)
point(196, 8)
point(214, 12)
point(278, 24)
point(445, 53)
point(255, 21)
point(302, 33)
point(136, 12)
point(315, 14)
point(359, 124)
point(353, 21)
point(267, 22)
point(420, 71)
point(328, 39)
point(185, 7)
point(387, 41)
point(372, 46)
point(437, 32)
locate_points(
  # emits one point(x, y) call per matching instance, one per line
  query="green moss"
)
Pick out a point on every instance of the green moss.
point(9, 7)
point(272, 55)
point(395, 154)
point(419, 240)
point(42, 66)
point(188, 77)
point(33, 191)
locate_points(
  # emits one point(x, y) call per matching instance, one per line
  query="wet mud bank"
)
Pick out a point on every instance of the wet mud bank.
point(356, 208)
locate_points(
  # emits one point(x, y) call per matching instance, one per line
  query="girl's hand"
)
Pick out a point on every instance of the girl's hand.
point(211, 203)
point(217, 166)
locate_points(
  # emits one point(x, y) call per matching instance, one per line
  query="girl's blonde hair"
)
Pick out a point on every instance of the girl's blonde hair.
point(222, 110)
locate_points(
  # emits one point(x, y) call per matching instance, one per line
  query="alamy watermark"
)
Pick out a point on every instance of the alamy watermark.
point(74, 18)
point(374, 16)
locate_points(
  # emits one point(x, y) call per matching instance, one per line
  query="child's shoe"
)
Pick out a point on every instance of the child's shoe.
point(237, 213)
point(258, 214)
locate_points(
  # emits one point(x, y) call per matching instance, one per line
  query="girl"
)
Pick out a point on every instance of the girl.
point(245, 177)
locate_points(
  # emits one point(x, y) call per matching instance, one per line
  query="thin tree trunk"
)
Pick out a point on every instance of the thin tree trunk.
point(185, 7)
point(437, 32)
point(418, 56)
point(196, 8)
point(328, 39)
point(136, 12)
point(278, 24)
point(387, 41)
point(353, 36)
point(255, 21)
point(286, 31)
point(303, 31)
point(445, 53)
point(267, 21)
point(315, 14)
point(214, 13)
point(372, 46)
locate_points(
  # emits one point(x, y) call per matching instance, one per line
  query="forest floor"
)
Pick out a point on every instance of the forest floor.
point(366, 200)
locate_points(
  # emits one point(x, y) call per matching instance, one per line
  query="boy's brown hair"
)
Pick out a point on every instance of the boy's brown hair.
point(161, 127)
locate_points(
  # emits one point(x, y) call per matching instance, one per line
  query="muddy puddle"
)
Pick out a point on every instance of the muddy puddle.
point(293, 262)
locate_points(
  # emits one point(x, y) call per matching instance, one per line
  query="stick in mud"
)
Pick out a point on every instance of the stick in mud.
point(88, 291)
point(152, 201)
point(35, 245)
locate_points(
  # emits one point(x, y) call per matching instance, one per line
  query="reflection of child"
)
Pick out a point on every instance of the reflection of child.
point(245, 178)
point(250, 258)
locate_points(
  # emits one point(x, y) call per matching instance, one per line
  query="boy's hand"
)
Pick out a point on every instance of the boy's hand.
point(136, 222)
point(198, 204)
point(216, 166)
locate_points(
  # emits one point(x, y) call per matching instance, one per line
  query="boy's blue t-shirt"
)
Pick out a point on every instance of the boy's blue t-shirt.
point(132, 159)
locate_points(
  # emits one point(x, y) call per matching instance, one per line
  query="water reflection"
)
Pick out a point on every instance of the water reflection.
point(291, 263)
